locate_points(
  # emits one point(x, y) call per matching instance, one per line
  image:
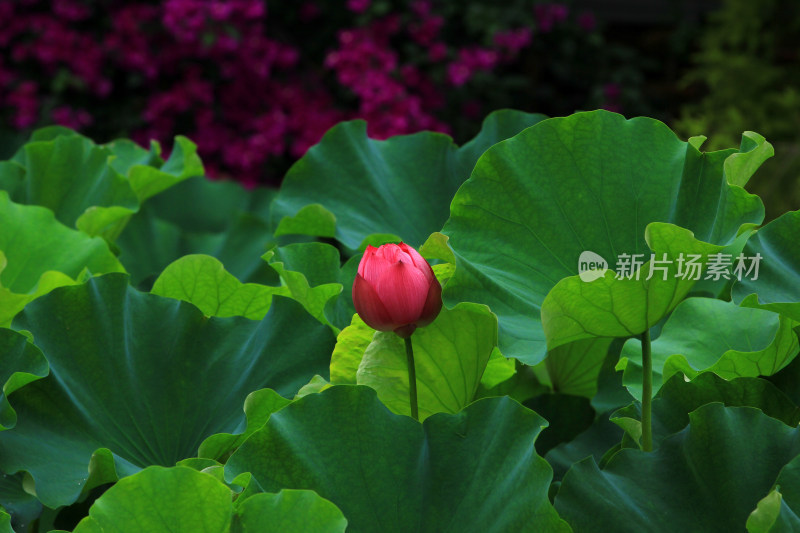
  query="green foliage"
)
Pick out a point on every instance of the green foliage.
point(451, 356)
point(778, 285)
point(740, 60)
point(367, 186)
point(184, 354)
point(200, 216)
point(203, 281)
point(138, 380)
point(38, 254)
point(688, 484)
point(182, 499)
point(708, 335)
point(310, 274)
point(95, 188)
point(747, 62)
point(588, 182)
point(473, 471)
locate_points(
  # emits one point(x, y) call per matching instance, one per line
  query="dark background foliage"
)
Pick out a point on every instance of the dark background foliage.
point(255, 83)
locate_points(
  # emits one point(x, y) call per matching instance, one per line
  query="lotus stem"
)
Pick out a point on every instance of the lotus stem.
point(412, 379)
point(647, 392)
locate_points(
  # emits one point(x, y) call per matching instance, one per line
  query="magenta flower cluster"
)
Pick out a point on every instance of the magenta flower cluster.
point(234, 76)
point(393, 97)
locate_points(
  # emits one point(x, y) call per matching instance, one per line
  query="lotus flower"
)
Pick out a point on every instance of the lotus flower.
point(395, 289)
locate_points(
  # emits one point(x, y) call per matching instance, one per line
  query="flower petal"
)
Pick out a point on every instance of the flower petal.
point(368, 254)
point(419, 261)
point(433, 304)
point(373, 265)
point(403, 290)
point(415, 257)
point(394, 253)
point(369, 306)
point(381, 250)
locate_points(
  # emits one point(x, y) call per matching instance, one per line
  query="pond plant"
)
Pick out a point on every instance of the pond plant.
point(577, 323)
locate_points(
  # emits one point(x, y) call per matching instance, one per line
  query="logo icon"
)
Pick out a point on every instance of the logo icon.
point(591, 266)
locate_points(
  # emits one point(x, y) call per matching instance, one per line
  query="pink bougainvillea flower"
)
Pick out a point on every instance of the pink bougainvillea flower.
point(395, 289)
point(587, 21)
point(358, 6)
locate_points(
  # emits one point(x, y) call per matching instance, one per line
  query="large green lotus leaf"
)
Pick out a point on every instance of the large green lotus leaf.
point(33, 242)
point(317, 261)
point(12, 175)
point(596, 441)
point(620, 307)
point(591, 182)
point(12, 303)
point(568, 416)
point(498, 369)
point(206, 206)
point(574, 368)
point(678, 397)
point(128, 154)
point(183, 162)
point(778, 276)
point(771, 515)
point(22, 506)
point(351, 343)
point(522, 385)
point(199, 216)
point(472, 471)
point(402, 185)
point(239, 248)
point(69, 174)
point(47, 133)
point(611, 392)
point(450, 356)
point(258, 407)
point(709, 335)
point(289, 511)
point(138, 380)
point(310, 272)
point(97, 187)
point(708, 477)
point(181, 499)
point(339, 311)
point(779, 511)
point(20, 363)
point(498, 126)
point(203, 281)
point(753, 151)
point(788, 380)
point(373, 186)
point(316, 385)
point(150, 244)
point(176, 499)
point(312, 219)
point(436, 248)
point(5, 522)
point(38, 253)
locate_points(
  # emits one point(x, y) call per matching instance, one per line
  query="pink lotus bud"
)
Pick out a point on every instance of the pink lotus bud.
point(395, 289)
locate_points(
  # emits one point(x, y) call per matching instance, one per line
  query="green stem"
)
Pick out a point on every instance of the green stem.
point(647, 393)
point(412, 379)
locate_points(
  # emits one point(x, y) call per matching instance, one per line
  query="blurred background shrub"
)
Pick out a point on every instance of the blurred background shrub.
point(255, 83)
point(747, 64)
